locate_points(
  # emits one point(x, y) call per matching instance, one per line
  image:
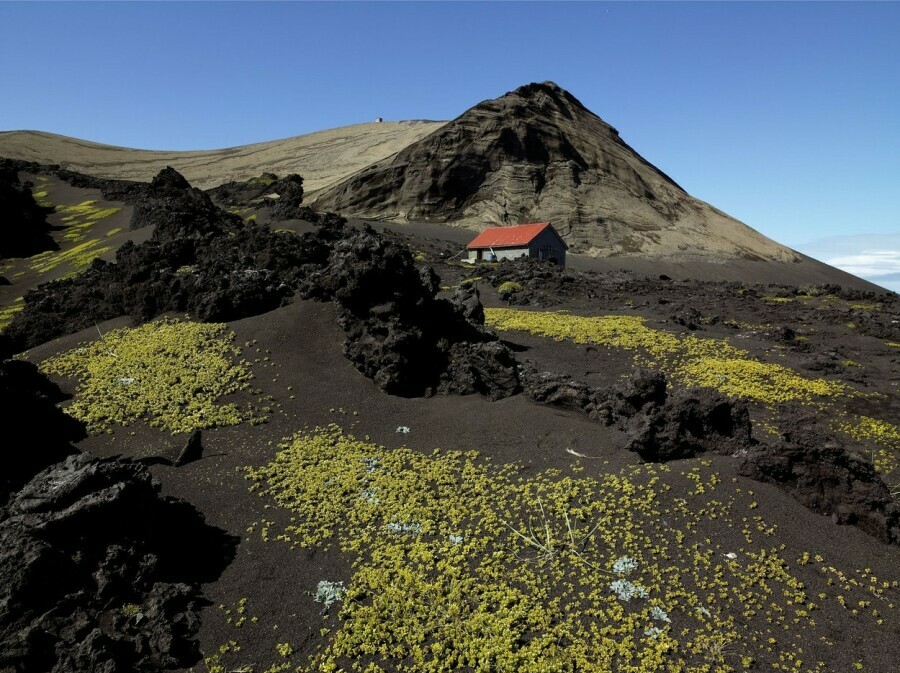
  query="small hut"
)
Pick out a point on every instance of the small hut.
point(539, 240)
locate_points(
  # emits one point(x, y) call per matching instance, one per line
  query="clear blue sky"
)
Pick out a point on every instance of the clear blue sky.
point(785, 115)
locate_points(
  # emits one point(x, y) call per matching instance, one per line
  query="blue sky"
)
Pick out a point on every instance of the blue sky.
point(785, 115)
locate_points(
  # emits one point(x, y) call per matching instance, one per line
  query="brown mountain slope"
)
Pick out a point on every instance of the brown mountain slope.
point(322, 158)
point(538, 154)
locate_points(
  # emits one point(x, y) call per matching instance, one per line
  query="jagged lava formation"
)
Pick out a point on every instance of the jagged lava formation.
point(538, 154)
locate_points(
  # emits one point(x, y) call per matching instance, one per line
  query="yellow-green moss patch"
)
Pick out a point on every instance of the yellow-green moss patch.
point(170, 373)
point(7, 313)
point(509, 287)
point(80, 218)
point(460, 564)
point(690, 360)
point(76, 258)
point(884, 438)
point(103, 213)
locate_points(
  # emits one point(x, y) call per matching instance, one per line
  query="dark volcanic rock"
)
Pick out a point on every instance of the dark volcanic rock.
point(178, 210)
point(30, 418)
point(541, 282)
point(24, 230)
point(193, 449)
point(112, 190)
point(218, 267)
point(199, 259)
point(99, 573)
point(689, 422)
point(687, 316)
point(398, 334)
point(485, 367)
point(284, 195)
point(826, 478)
point(468, 300)
point(562, 391)
point(645, 388)
point(659, 425)
point(822, 362)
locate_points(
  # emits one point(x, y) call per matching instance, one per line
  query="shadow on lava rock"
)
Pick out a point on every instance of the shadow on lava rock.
point(99, 572)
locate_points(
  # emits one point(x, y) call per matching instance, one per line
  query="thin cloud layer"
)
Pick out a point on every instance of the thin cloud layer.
point(873, 257)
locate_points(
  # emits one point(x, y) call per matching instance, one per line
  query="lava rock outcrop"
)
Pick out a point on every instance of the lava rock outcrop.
point(99, 573)
point(125, 191)
point(214, 265)
point(659, 425)
point(179, 210)
point(536, 282)
point(398, 333)
point(688, 422)
point(283, 195)
point(826, 478)
point(30, 418)
point(24, 230)
point(199, 259)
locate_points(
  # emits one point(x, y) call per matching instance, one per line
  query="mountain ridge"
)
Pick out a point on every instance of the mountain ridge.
point(534, 154)
point(349, 148)
point(537, 153)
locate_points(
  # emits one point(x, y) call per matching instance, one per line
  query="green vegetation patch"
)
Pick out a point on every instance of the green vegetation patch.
point(79, 218)
point(746, 377)
point(509, 287)
point(76, 258)
point(169, 373)
point(690, 360)
point(461, 564)
point(7, 313)
point(883, 436)
point(265, 179)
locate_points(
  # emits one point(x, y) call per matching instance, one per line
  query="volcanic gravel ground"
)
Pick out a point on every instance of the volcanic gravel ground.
point(816, 331)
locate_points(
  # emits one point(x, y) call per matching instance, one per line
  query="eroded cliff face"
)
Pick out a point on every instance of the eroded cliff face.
point(538, 154)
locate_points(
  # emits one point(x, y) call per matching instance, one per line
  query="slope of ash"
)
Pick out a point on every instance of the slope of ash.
point(112, 190)
point(659, 424)
point(662, 425)
point(808, 325)
point(538, 154)
point(199, 259)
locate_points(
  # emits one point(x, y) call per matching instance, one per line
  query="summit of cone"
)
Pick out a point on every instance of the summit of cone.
point(536, 154)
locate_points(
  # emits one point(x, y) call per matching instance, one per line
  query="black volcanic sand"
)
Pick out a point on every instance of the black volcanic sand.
point(326, 388)
point(314, 384)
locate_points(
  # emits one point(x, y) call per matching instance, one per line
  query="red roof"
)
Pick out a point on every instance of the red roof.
point(505, 237)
